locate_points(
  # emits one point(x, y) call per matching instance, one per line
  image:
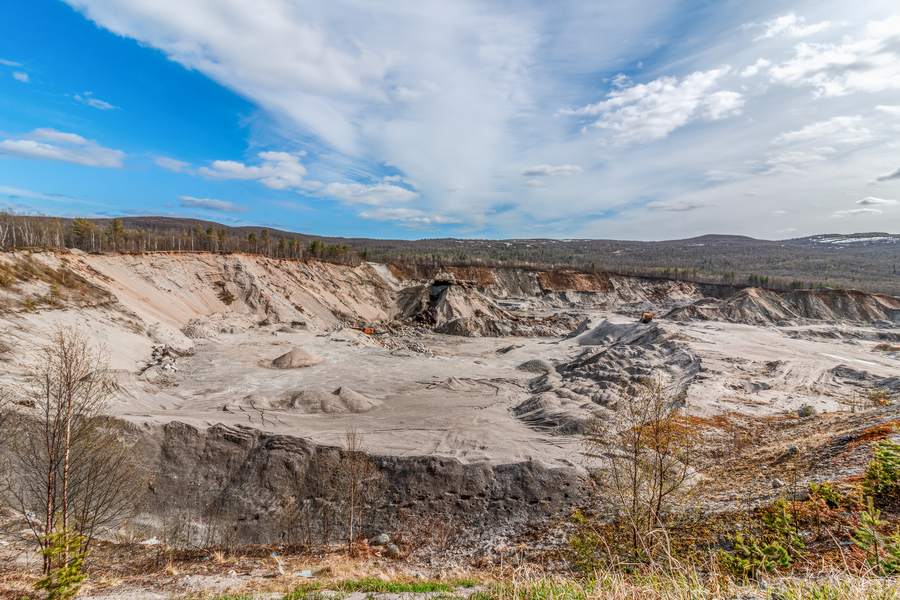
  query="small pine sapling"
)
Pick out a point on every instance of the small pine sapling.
point(63, 548)
point(882, 552)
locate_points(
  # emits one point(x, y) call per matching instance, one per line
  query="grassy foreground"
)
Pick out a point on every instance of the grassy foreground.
point(652, 585)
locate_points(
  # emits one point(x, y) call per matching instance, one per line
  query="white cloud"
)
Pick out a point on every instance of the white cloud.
point(779, 213)
point(9, 63)
point(868, 65)
point(755, 68)
point(549, 171)
point(50, 144)
point(211, 204)
point(171, 164)
point(379, 194)
point(408, 216)
point(870, 201)
point(535, 183)
point(845, 130)
point(893, 110)
point(650, 111)
point(21, 76)
point(856, 212)
point(677, 205)
point(95, 102)
point(278, 171)
point(790, 25)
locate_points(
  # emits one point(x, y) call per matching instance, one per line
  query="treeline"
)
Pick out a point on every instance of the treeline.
point(89, 235)
point(728, 260)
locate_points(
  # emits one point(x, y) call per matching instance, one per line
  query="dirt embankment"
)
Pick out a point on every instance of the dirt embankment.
point(765, 307)
point(573, 281)
point(235, 482)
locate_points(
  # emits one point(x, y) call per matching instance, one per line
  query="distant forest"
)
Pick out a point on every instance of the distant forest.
point(866, 261)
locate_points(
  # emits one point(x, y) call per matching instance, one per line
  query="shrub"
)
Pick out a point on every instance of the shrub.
point(226, 297)
point(883, 472)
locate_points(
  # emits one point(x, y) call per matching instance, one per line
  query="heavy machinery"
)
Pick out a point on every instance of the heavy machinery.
point(646, 317)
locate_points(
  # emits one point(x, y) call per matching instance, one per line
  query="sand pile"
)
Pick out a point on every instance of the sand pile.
point(536, 366)
point(341, 400)
point(594, 384)
point(296, 358)
point(608, 333)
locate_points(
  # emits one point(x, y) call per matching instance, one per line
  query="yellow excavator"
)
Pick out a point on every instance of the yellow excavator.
point(646, 317)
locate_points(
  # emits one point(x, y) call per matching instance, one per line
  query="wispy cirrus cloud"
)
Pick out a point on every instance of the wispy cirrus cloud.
point(856, 212)
point(211, 204)
point(21, 76)
point(88, 99)
point(789, 25)
point(870, 201)
point(379, 194)
point(171, 164)
point(407, 216)
point(842, 130)
point(550, 171)
point(889, 176)
point(50, 144)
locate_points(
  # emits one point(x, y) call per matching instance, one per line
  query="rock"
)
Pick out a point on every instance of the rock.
point(806, 411)
point(777, 483)
point(381, 540)
point(392, 550)
point(296, 358)
point(171, 338)
point(882, 324)
point(755, 386)
point(793, 450)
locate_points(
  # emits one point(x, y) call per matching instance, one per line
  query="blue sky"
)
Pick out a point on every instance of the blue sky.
point(632, 120)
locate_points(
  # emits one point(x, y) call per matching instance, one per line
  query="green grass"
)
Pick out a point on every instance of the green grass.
point(313, 590)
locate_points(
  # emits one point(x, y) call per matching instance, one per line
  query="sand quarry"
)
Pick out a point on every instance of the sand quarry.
point(482, 367)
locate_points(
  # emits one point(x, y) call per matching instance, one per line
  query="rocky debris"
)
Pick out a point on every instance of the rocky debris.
point(608, 333)
point(199, 329)
point(882, 324)
point(172, 338)
point(297, 358)
point(593, 385)
point(381, 540)
point(392, 550)
point(163, 357)
point(777, 484)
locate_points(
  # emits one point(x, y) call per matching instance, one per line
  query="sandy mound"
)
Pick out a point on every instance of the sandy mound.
point(536, 366)
point(341, 400)
point(298, 357)
point(607, 333)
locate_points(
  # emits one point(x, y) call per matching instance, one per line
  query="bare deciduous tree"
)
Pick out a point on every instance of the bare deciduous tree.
point(70, 464)
point(642, 462)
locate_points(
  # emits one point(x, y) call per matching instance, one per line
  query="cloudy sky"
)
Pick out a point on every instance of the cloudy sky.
point(648, 119)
